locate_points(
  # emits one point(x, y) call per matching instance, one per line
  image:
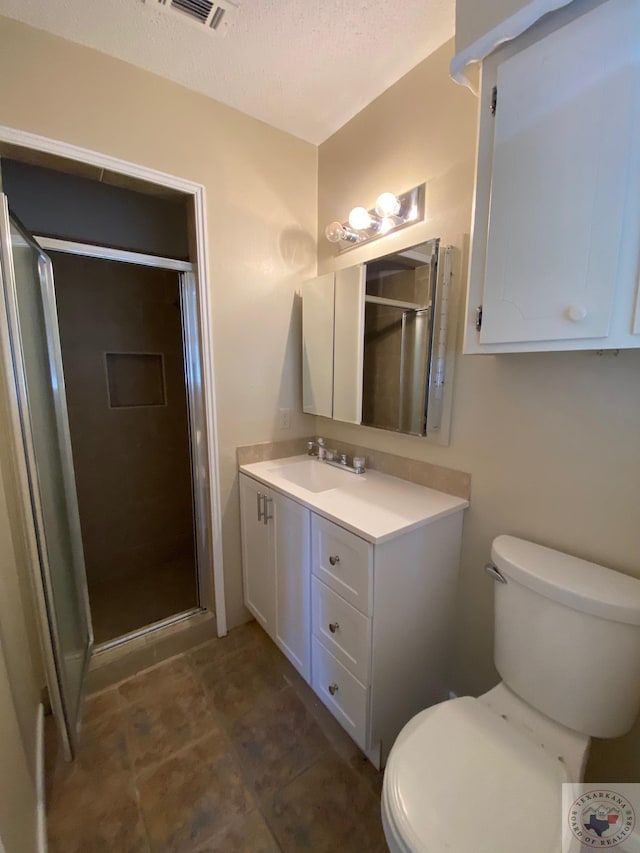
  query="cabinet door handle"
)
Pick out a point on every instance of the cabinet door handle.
point(333, 627)
point(259, 497)
point(266, 515)
point(334, 560)
point(333, 689)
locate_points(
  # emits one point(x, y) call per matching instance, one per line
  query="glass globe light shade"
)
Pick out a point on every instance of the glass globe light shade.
point(359, 219)
point(387, 204)
point(334, 232)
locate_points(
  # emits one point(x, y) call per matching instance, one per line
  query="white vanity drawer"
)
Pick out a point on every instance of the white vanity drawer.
point(343, 561)
point(344, 631)
point(343, 694)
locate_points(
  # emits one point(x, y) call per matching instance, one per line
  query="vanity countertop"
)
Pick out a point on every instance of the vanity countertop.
point(372, 505)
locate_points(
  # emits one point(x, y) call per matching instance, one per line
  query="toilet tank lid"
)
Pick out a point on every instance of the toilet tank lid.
point(569, 580)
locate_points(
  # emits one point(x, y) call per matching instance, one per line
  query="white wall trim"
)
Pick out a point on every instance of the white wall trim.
point(41, 837)
point(505, 31)
point(58, 148)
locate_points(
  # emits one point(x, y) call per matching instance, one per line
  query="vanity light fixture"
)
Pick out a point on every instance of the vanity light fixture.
point(391, 212)
point(336, 231)
point(387, 204)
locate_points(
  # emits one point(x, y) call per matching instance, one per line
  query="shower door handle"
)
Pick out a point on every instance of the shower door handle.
point(261, 512)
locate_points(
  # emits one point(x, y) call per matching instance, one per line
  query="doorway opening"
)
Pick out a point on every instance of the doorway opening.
point(126, 342)
point(109, 239)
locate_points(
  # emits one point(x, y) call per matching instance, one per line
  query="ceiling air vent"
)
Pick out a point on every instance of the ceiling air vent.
point(206, 13)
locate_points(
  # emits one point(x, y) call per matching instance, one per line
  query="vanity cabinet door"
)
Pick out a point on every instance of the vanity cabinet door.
point(258, 566)
point(293, 581)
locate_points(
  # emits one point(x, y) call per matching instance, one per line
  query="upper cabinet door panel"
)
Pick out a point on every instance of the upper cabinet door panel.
point(561, 165)
point(317, 346)
point(348, 344)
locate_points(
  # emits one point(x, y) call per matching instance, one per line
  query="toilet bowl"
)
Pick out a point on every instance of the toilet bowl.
point(485, 775)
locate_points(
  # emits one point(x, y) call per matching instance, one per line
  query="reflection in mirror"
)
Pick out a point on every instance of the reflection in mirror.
point(398, 339)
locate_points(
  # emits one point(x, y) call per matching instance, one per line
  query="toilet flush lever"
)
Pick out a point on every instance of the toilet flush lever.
point(494, 573)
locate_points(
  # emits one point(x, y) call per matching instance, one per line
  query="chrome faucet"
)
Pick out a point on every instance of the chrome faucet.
point(320, 452)
point(332, 457)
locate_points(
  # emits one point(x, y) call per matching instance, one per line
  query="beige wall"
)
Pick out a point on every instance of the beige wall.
point(551, 440)
point(261, 202)
point(474, 19)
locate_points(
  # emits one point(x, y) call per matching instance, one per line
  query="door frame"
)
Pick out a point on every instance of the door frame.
point(57, 148)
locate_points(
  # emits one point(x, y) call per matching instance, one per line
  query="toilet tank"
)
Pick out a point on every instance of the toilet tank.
point(567, 637)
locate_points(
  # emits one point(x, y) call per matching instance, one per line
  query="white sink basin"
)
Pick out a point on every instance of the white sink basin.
point(315, 476)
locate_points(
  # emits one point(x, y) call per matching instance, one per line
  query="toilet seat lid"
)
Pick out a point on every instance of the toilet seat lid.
point(461, 778)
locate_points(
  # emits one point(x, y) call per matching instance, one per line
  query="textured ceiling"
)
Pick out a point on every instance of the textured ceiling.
point(305, 66)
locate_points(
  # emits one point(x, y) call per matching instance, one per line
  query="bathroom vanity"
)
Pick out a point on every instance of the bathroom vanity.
point(354, 577)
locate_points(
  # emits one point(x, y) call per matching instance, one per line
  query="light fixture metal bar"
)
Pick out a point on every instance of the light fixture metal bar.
point(412, 203)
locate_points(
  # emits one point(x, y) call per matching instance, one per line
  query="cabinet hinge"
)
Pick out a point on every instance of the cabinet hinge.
point(478, 318)
point(493, 105)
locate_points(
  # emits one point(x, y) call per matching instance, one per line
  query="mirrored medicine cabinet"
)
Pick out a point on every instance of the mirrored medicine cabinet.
point(378, 341)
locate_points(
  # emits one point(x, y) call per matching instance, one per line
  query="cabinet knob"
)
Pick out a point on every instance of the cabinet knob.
point(333, 689)
point(576, 313)
point(334, 560)
point(333, 627)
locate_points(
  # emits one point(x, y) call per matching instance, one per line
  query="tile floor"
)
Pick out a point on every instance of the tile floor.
point(222, 748)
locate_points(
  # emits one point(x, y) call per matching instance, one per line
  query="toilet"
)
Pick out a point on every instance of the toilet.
point(484, 775)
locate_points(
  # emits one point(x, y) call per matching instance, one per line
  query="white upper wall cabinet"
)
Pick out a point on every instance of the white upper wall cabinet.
point(556, 240)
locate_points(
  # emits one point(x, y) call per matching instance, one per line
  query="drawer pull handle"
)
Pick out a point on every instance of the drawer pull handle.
point(334, 560)
point(333, 689)
point(333, 627)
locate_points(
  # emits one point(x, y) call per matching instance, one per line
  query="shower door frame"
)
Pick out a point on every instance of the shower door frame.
point(195, 283)
point(192, 363)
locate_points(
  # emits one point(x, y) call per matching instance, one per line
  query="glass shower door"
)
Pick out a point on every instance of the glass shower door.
point(36, 365)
